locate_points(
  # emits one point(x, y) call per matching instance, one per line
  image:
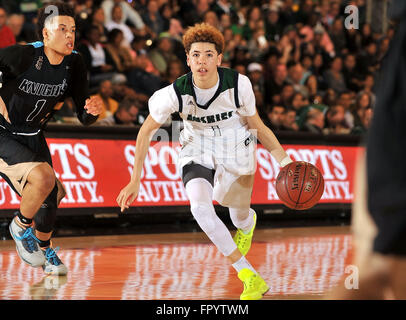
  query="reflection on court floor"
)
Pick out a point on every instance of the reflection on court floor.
point(296, 266)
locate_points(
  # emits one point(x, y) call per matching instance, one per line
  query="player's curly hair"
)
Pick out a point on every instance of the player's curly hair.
point(203, 32)
point(52, 9)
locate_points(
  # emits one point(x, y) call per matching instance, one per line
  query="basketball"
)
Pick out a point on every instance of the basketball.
point(299, 185)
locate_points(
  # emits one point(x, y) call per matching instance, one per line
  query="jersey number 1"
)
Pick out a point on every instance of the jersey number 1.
point(38, 107)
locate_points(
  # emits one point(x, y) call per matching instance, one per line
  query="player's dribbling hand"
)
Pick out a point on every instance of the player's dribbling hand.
point(127, 195)
point(94, 106)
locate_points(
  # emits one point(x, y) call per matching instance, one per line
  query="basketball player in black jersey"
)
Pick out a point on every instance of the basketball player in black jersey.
point(379, 211)
point(36, 78)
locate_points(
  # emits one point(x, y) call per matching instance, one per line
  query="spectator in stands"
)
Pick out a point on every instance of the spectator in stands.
point(210, 17)
point(314, 121)
point(98, 60)
point(368, 87)
point(362, 102)
point(275, 83)
point(134, 68)
point(230, 44)
point(334, 77)
point(254, 15)
point(128, 13)
point(225, 22)
point(162, 54)
point(241, 69)
point(175, 29)
point(289, 46)
point(365, 121)
point(298, 101)
point(295, 77)
point(83, 10)
point(329, 97)
point(97, 18)
point(121, 90)
point(6, 35)
point(368, 59)
point(273, 25)
point(175, 33)
point(353, 40)
point(337, 36)
point(335, 120)
point(117, 23)
point(258, 44)
point(346, 100)
point(166, 12)
point(120, 53)
point(189, 12)
point(241, 54)
point(286, 95)
point(140, 52)
point(306, 61)
point(350, 73)
point(312, 87)
point(289, 120)
point(322, 43)
point(109, 104)
point(270, 61)
point(318, 69)
point(333, 12)
point(366, 35)
point(152, 18)
point(225, 7)
point(15, 22)
point(274, 117)
point(126, 114)
point(255, 74)
point(175, 70)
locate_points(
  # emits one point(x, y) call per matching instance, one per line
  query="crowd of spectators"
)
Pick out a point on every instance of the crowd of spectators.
point(308, 71)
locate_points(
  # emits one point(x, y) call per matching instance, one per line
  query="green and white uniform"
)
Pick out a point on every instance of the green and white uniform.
point(215, 133)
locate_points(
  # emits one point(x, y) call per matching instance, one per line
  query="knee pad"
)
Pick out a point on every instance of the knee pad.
point(46, 215)
point(205, 216)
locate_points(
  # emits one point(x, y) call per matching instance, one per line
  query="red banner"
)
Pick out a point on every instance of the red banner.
point(94, 171)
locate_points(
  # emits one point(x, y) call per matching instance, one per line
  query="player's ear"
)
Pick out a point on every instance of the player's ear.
point(45, 33)
point(187, 59)
point(219, 59)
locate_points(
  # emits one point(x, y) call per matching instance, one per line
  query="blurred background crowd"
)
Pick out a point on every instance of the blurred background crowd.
point(308, 71)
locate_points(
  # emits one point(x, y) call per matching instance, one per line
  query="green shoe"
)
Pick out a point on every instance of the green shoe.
point(254, 286)
point(242, 240)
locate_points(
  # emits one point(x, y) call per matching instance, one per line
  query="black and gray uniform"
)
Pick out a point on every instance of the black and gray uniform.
point(32, 90)
point(386, 146)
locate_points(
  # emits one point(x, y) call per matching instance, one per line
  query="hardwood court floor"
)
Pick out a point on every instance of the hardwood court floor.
point(297, 263)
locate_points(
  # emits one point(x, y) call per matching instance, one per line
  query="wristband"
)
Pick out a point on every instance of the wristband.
point(285, 161)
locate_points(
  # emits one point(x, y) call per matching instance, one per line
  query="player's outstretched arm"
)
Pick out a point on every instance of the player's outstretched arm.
point(128, 194)
point(268, 139)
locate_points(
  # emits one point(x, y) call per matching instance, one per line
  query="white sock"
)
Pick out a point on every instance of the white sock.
point(243, 264)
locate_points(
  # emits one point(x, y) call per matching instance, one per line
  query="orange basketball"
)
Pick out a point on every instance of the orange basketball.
point(299, 185)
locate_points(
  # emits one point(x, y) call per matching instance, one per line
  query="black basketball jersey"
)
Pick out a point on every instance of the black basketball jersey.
point(32, 87)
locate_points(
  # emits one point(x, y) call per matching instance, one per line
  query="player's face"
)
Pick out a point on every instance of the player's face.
point(203, 61)
point(59, 34)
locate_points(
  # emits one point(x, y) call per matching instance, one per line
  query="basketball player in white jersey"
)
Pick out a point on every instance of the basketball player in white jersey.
point(217, 158)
